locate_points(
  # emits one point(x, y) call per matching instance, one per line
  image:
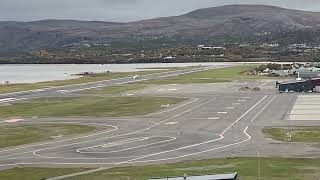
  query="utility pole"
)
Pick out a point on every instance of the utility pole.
point(259, 166)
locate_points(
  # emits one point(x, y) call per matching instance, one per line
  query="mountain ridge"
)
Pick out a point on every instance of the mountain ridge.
point(230, 20)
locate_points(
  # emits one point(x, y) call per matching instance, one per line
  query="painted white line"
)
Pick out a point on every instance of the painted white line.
point(135, 147)
point(35, 153)
point(213, 118)
point(191, 154)
point(11, 100)
point(222, 112)
point(210, 141)
point(76, 90)
point(171, 123)
point(7, 99)
point(128, 95)
point(241, 100)
point(154, 125)
point(264, 84)
point(146, 145)
point(230, 126)
point(4, 165)
point(262, 109)
point(230, 107)
point(221, 135)
point(62, 91)
point(128, 77)
point(12, 120)
point(135, 160)
point(168, 110)
point(112, 144)
point(115, 128)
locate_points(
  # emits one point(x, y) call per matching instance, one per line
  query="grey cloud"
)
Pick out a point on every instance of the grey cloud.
point(123, 10)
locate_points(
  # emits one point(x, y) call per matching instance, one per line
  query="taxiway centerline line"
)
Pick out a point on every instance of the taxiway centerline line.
point(206, 142)
point(36, 151)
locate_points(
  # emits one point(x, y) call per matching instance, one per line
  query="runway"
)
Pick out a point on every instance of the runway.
point(217, 120)
point(23, 95)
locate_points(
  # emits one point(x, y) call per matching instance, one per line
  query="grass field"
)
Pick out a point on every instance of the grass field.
point(271, 169)
point(209, 76)
point(115, 89)
point(13, 135)
point(36, 173)
point(86, 106)
point(298, 134)
point(89, 78)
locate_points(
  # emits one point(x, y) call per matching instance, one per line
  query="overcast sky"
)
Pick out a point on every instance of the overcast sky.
point(123, 10)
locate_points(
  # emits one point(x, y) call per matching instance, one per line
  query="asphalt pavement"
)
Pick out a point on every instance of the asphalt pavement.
point(217, 120)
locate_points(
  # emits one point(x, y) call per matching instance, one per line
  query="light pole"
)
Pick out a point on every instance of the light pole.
point(259, 166)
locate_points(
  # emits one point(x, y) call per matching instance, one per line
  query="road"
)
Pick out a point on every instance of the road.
point(218, 120)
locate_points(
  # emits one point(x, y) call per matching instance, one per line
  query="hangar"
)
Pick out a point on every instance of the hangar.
point(300, 86)
point(296, 86)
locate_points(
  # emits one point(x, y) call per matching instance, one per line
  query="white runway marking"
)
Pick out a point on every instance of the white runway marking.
point(62, 91)
point(221, 137)
point(262, 109)
point(112, 144)
point(222, 112)
point(168, 110)
point(12, 120)
point(135, 160)
point(115, 128)
point(150, 127)
point(192, 154)
point(7, 100)
point(171, 123)
point(241, 100)
point(35, 153)
point(230, 107)
point(210, 141)
point(109, 80)
point(213, 118)
point(264, 84)
point(160, 90)
point(128, 95)
point(126, 149)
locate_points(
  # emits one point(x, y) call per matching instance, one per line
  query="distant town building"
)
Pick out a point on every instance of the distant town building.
point(282, 73)
point(303, 74)
point(270, 45)
point(203, 47)
point(169, 57)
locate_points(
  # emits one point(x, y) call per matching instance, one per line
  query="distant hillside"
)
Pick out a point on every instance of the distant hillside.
point(203, 24)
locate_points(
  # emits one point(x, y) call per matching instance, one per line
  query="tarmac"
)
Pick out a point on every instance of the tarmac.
point(217, 120)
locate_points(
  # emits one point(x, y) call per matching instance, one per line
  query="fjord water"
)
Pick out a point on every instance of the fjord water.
point(37, 73)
